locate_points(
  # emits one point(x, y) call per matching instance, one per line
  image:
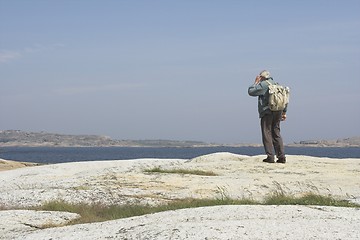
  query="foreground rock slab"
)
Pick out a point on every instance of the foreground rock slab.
point(221, 222)
point(237, 176)
point(124, 181)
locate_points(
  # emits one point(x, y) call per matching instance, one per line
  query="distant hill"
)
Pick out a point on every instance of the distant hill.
point(43, 139)
point(345, 142)
point(36, 139)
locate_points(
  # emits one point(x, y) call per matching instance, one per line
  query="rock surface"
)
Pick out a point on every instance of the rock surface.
point(238, 176)
point(220, 222)
point(18, 223)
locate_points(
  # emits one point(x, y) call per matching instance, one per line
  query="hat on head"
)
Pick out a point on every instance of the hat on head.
point(265, 74)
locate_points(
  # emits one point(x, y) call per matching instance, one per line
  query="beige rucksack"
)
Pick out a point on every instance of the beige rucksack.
point(278, 96)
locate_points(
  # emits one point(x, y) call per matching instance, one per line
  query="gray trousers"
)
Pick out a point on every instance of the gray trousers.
point(271, 137)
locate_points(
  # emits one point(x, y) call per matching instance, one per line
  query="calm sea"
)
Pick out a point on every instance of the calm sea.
point(74, 154)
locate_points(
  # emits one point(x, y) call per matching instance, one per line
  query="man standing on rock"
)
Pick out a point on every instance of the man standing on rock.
point(270, 120)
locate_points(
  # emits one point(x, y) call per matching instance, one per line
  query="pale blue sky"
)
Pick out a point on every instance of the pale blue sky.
point(178, 69)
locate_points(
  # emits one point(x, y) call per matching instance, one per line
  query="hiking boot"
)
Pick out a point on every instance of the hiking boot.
point(281, 160)
point(268, 160)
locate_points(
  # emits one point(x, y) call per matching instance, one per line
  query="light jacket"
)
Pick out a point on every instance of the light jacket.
point(260, 90)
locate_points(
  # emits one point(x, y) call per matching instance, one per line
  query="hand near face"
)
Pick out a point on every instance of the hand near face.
point(257, 79)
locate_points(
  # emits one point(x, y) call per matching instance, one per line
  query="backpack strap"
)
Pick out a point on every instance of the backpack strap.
point(269, 82)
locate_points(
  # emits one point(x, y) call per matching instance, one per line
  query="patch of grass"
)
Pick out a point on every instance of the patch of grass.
point(307, 199)
point(180, 171)
point(279, 196)
point(97, 213)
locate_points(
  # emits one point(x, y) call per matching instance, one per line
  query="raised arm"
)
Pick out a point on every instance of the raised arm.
point(258, 88)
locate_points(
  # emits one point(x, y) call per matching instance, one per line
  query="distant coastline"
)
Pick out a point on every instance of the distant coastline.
point(345, 142)
point(18, 138)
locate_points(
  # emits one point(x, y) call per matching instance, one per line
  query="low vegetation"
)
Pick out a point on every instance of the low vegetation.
point(180, 171)
point(96, 212)
point(308, 199)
